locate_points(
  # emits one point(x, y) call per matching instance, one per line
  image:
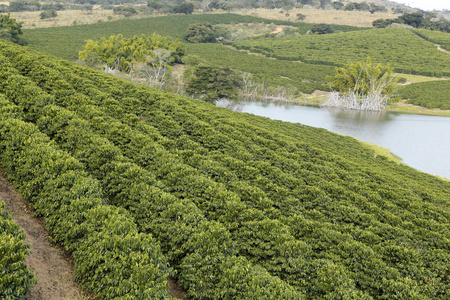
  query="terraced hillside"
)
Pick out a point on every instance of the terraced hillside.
point(238, 206)
point(432, 94)
point(405, 51)
point(65, 42)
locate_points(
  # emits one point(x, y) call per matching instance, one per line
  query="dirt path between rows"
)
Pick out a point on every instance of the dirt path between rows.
point(54, 272)
point(442, 49)
point(278, 30)
point(53, 269)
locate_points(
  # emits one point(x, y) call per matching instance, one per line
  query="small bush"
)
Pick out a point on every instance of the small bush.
point(48, 14)
point(124, 10)
point(15, 279)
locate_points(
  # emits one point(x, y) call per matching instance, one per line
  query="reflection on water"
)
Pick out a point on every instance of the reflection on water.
point(423, 142)
point(360, 116)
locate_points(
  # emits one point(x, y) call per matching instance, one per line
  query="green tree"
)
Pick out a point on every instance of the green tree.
point(337, 5)
point(382, 23)
point(204, 33)
point(363, 86)
point(322, 29)
point(364, 78)
point(47, 14)
point(119, 53)
point(10, 29)
point(300, 17)
point(211, 83)
point(155, 4)
point(186, 8)
point(324, 3)
point(124, 10)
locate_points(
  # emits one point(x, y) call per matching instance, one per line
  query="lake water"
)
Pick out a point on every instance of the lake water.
point(423, 142)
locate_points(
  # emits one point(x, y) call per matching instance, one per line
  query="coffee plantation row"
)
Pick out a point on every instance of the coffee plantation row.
point(402, 49)
point(242, 206)
point(432, 94)
point(56, 40)
point(183, 238)
point(111, 258)
point(15, 279)
point(304, 77)
point(440, 38)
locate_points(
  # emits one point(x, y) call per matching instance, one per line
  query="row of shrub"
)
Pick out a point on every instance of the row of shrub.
point(403, 50)
point(431, 94)
point(436, 37)
point(169, 107)
point(66, 128)
point(267, 72)
point(270, 184)
point(16, 280)
point(112, 260)
point(200, 250)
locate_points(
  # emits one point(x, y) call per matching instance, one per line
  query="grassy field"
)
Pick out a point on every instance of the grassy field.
point(31, 19)
point(418, 78)
point(352, 18)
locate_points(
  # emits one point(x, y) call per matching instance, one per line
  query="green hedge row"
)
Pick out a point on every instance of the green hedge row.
point(56, 41)
point(16, 280)
point(302, 184)
point(59, 122)
point(436, 37)
point(383, 197)
point(200, 251)
point(403, 50)
point(305, 77)
point(112, 259)
point(432, 94)
point(166, 126)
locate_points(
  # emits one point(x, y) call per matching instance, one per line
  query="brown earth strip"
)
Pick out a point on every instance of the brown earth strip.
point(54, 271)
point(52, 266)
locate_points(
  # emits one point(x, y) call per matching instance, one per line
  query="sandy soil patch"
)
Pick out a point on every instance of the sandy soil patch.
point(31, 19)
point(278, 30)
point(442, 49)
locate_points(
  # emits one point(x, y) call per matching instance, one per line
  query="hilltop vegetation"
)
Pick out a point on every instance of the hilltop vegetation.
point(16, 280)
point(402, 49)
point(303, 77)
point(440, 38)
point(54, 40)
point(433, 94)
point(416, 20)
point(407, 52)
point(240, 206)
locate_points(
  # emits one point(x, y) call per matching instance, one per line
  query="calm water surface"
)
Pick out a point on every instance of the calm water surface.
point(423, 142)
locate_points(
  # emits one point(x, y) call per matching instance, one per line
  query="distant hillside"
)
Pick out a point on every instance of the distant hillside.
point(404, 50)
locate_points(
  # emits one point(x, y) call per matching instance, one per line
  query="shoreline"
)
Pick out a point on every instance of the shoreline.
point(397, 107)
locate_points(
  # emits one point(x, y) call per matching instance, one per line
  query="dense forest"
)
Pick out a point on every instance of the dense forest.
point(234, 206)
